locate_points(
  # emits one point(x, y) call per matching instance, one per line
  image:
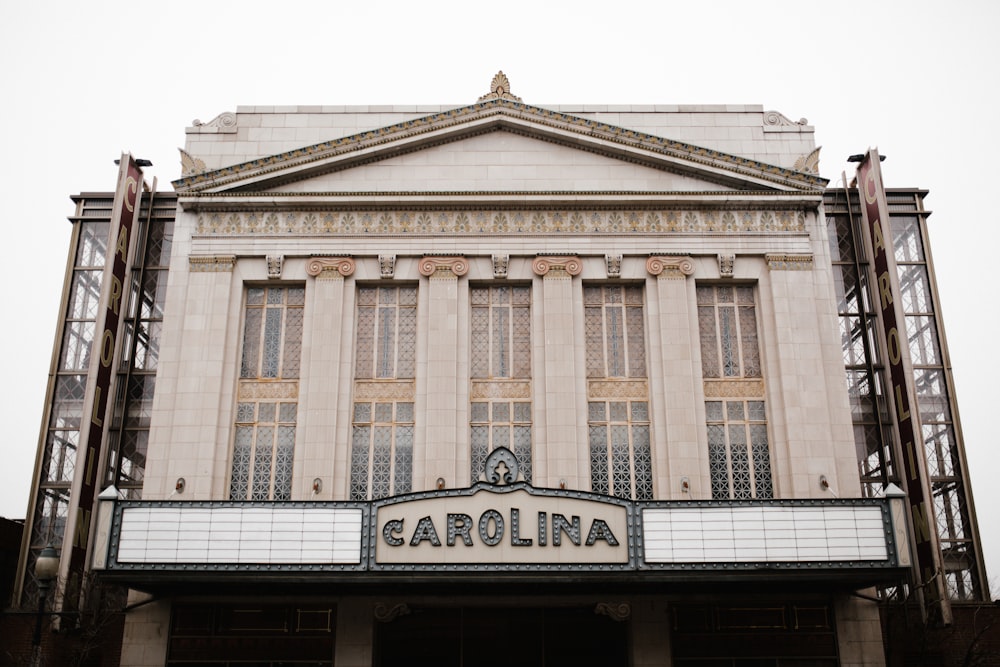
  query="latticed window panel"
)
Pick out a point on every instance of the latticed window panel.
point(381, 450)
point(500, 424)
point(501, 332)
point(620, 458)
point(272, 332)
point(263, 450)
point(614, 331)
point(727, 322)
point(738, 450)
point(385, 346)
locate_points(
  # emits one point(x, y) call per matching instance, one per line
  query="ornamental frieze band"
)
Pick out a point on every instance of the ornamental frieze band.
point(475, 223)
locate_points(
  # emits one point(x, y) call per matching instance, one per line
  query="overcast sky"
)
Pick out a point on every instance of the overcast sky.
point(83, 81)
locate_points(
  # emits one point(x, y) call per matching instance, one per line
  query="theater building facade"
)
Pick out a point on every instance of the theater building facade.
point(499, 384)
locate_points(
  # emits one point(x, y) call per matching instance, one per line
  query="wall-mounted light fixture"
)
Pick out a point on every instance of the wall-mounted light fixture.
point(317, 486)
point(440, 483)
point(180, 485)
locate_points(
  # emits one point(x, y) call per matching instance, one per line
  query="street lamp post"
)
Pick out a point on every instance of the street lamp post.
point(46, 570)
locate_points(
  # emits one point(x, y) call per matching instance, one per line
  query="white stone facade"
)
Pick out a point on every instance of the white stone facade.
point(718, 195)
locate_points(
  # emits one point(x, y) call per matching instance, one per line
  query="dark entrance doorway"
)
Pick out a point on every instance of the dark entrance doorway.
point(488, 637)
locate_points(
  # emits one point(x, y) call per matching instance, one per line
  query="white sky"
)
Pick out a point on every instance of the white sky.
point(83, 81)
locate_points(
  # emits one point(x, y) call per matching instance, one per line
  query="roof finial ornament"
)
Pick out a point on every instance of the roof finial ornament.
point(500, 89)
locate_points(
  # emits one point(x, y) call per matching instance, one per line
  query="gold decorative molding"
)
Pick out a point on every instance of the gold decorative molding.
point(191, 165)
point(809, 164)
point(485, 389)
point(385, 613)
point(446, 266)
point(211, 263)
point(444, 222)
point(564, 265)
point(331, 267)
point(616, 611)
point(499, 89)
point(670, 267)
point(255, 390)
point(618, 389)
point(782, 262)
point(390, 390)
point(734, 388)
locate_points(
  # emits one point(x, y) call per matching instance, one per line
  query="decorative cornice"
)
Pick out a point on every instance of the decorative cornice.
point(670, 267)
point(455, 266)
point(211, 263)
point(695, 155)
point(565, 265)
point(463, 222)
point(783, 262)
point(331, 267)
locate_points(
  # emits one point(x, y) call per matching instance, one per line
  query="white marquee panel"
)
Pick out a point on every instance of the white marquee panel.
point(235, 535)
point(764, 534)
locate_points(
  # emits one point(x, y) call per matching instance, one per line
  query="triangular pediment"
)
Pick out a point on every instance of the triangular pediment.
point(499, 146)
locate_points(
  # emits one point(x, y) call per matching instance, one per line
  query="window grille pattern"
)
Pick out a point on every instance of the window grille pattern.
point(738, 451)
point(264, 435)
point(620, 461)
point(382, 427)
point(262, 453)
point(381, 450)
point(272, 334)
point(728, 323)
point(501, 332)
point(501, 424)
point(614, 328)
point(386, 332)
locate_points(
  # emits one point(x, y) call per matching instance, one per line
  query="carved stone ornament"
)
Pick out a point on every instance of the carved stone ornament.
point(726, 265)
point(809, 164)
point(211, 264)
point(225, 122)
point(386, 614)
point(670, 267)
point(387, 265)
point(274, 265)
point(566, 265)
point(500, 263)
point(455, 266)
point(499, 89)
point(614, 264)
point(782, 262)
point(616, 611)
point(331, 267)
point(191, 165)
point(501, 467)
point(778, 118)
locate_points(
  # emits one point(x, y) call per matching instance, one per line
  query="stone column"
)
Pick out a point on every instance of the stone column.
point(325, 373)
point(559, 403)
point(441, 429)
point(675, 393)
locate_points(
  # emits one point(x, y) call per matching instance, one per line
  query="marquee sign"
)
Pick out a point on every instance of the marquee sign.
point(879, 249)
point(498, 525)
